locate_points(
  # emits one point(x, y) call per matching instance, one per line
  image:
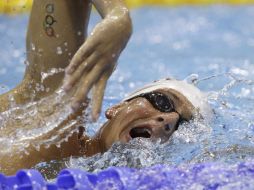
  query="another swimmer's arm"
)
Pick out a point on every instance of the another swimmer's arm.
point(96, 59)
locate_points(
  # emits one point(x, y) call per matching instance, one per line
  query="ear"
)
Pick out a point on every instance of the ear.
point(111, 112)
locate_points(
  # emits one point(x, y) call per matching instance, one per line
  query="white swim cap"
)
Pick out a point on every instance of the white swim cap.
point(189, 91)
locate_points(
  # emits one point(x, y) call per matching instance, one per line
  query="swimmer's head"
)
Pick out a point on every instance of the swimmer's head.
point(154, 112)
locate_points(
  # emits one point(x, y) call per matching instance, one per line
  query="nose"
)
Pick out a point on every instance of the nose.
point(168, 120)
point(112, 111)
point(168, 123)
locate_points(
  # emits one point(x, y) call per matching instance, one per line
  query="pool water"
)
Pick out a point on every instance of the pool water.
point(211, 47)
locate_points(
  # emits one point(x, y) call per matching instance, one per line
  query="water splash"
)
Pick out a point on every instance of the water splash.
point(230, 137)
point(36, 123)
point(224, 139)
point(51, 72)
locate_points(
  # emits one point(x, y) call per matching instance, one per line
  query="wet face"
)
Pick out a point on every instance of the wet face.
point(146, 116)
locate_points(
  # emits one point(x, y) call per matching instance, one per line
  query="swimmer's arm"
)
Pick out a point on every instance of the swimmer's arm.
point(73, 147)
point(96, 59)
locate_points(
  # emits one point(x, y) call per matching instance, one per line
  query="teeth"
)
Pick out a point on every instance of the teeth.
point(147, 130)
point(142, 130)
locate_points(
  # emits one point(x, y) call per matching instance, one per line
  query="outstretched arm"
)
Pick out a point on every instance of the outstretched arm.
point(77, 144)
point(96, 59)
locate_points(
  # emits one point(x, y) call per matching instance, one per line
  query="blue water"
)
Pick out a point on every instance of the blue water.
point(194, 43)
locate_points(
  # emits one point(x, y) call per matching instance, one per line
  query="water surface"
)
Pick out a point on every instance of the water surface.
point(209, 46)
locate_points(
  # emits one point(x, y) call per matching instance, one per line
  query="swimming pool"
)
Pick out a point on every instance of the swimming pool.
point(210, 46)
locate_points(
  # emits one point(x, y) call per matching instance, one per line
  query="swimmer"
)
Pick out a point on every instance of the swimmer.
point(59, 49)
point(57, 41)
point(154, 112)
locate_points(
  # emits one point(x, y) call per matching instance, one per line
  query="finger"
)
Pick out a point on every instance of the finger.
point(85, 85)
point(84, 51)
point(98, 94)
point(77, 60)
point(70, 80)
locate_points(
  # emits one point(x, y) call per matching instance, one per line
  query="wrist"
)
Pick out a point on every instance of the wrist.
point(121, 15)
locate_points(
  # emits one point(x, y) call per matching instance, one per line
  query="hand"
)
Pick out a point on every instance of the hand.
point(95, 61)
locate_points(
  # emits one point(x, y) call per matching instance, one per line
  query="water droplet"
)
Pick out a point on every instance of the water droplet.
point(131, 84)
point(32, 47)
point(59, 50)
point(26, 152)
point(121, 79)
point(51, 72)
point(79, 33)
point(58, 145)
point(37, 147)
point(239, 71)
point(26, 63)
point(193, 78)
point(40, 50)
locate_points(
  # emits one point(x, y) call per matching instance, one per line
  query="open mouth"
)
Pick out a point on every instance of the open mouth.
point(143, 132)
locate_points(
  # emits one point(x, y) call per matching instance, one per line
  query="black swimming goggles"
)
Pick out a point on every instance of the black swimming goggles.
point(158, 100)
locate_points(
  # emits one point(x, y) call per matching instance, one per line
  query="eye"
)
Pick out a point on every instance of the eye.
point(163, 103)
